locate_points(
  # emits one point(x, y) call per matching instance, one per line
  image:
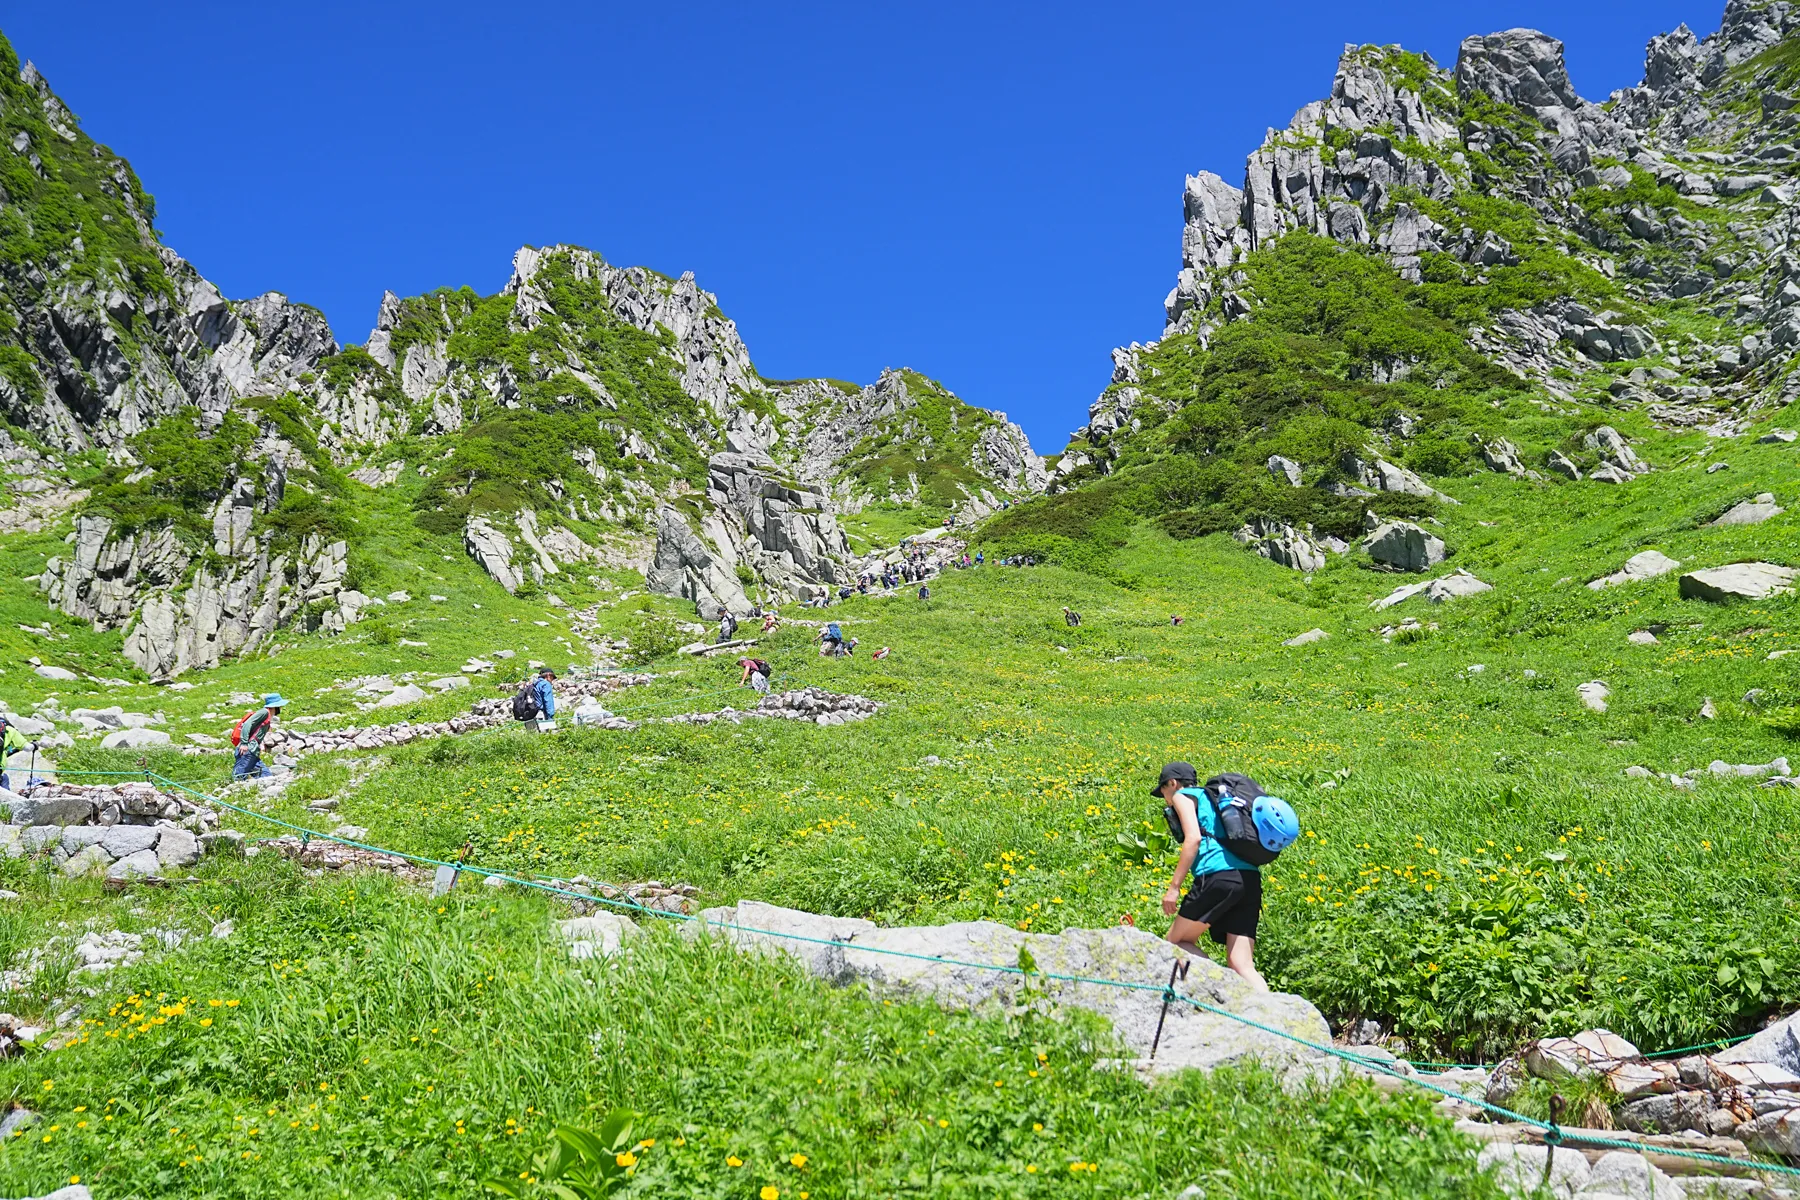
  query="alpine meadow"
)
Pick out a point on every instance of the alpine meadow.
point(775, 819)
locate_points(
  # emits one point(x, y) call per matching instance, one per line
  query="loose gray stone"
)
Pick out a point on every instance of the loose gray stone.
point(1622, 1173)
point(89, 860)
point(177, 848)
point(122, 841)
point(598, 935)
point(46, 810)
point(1307, 638)
point(1670, 1113)
point(1520, 1169)
point(140, 864)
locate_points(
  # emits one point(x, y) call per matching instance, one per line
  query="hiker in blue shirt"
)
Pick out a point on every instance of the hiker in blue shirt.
point(1224, 896)
point(546, 698)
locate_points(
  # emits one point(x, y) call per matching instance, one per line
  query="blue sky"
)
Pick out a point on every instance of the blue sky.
point(988, 193)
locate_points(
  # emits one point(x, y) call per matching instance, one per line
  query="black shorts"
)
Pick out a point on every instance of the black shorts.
point(1225, 902)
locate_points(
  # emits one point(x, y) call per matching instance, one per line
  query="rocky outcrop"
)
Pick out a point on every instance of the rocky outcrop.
point(1403, 546)
point(1396, 127)
point(1453, 586)
point(1376, 474)
point(1293, 548)
point(176, 621)
point(685, 566)
point(108, 347)
point(493, 551)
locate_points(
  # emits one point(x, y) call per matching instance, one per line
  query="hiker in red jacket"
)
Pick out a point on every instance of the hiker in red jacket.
point(249, 736)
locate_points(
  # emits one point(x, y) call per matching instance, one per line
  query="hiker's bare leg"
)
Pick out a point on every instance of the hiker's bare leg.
point(1187, 934)
point(1238, 950)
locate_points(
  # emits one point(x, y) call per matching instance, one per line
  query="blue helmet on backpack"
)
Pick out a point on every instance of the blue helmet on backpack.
point(1277, 826)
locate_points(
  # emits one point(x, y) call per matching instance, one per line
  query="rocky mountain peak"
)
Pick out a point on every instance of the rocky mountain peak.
point(1521, 67)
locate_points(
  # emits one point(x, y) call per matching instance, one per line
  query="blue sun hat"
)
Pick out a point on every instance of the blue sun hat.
point(273, 700)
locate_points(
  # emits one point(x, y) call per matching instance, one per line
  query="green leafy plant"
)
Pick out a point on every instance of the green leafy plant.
point(582, 1165)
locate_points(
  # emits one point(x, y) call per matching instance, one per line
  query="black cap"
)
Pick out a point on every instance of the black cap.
point(1180, 772)
point(546, 673)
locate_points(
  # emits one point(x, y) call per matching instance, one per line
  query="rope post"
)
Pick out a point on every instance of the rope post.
point(1177, 970)
point(1552, 1137)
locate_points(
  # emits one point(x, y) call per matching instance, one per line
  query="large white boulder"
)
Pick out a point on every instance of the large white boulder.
point(1404, 546)
point(134, 739)
point(411, 693)
point(1647, 564)
point(951, 965)
point(1750, 512)
point(1520, 1169)
point(1738, 581)
point(599, 935)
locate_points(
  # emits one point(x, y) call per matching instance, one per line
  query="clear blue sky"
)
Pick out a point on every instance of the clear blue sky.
point(989, 193)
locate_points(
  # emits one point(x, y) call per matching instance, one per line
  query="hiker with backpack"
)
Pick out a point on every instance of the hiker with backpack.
point(536, 699)
point(11, 742)
point(831, 641)
point(1228, 830)
point(1071, 618)
point(756, 673)
point(248, 736)
point(727, 625)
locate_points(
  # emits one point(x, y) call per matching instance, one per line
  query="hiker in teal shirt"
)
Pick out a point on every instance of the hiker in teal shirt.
point(1224, 897)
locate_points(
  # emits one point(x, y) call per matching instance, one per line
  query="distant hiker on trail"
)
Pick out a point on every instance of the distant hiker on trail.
point(1227, 830)
point(249, 734)
point(11, 742)
point(980, 557)
point(727, 625)
point(771, 620)
point(1071, 617)
point(536, 699)
point(925, 592)
point(1176, 619)
point(756, 674)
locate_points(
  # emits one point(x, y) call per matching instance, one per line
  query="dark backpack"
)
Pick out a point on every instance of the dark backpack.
point(761, 668)
point(525, 702)
point(1231, 795)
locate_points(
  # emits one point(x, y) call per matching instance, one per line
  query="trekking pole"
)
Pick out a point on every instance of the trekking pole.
point(1177, 969)
point(31, 771)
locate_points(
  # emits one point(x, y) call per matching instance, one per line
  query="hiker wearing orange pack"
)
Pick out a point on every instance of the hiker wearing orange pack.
point(249, 734)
